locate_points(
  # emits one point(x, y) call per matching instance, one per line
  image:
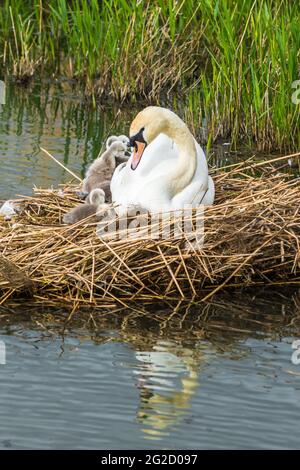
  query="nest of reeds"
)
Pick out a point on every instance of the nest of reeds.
point(251, 236)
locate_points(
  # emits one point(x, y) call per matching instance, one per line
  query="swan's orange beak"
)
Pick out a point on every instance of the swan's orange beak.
point(139, 148)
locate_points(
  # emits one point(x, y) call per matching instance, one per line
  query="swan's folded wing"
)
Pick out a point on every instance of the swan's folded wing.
point(194, 194)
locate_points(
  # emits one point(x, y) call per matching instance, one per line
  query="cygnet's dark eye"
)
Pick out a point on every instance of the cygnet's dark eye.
point(142, 130)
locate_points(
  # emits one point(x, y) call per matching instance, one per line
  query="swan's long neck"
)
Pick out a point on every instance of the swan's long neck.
point(185, 169)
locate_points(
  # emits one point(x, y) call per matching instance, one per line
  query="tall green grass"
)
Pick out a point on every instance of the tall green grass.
point(230, 64)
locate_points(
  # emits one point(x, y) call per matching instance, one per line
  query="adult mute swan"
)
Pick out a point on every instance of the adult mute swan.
point(167, 170)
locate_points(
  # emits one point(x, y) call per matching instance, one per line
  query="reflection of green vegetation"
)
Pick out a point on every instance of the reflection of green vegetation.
point(40, 111)
point(172, 344)
point(233, 62)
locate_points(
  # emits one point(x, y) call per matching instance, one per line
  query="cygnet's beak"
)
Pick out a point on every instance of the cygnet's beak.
point(82, 194)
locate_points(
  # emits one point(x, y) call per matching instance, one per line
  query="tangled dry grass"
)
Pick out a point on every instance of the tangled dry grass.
point(252, 236)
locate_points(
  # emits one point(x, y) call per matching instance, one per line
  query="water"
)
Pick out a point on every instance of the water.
point(57, 120)
point(218, 380)
point(213, 376)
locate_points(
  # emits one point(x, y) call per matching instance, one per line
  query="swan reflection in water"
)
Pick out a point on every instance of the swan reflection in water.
point(167, 378)
point(171, 349)
point(168, 369)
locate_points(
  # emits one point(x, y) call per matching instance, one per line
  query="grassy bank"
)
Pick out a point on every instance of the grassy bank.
point(230, 63)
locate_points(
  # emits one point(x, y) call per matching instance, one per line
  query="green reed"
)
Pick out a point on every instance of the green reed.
point(229, 64)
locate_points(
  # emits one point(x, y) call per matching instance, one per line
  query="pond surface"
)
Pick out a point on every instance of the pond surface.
point(223, 378)
point(57, 120)
point(216, 376)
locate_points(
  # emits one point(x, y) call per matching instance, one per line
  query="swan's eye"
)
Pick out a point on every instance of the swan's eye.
point(135, 146)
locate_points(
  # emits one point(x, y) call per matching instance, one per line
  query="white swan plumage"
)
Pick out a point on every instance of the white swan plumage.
point(167, 170)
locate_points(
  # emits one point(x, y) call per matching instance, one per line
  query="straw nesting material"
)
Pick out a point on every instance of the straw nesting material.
point(251, 236)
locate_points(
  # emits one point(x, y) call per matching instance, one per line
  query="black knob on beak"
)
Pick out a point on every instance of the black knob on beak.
point(131, 142)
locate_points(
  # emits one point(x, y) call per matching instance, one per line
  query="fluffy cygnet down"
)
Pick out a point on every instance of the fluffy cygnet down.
point(101, 170)
point(94, 203)
point(120, 138)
